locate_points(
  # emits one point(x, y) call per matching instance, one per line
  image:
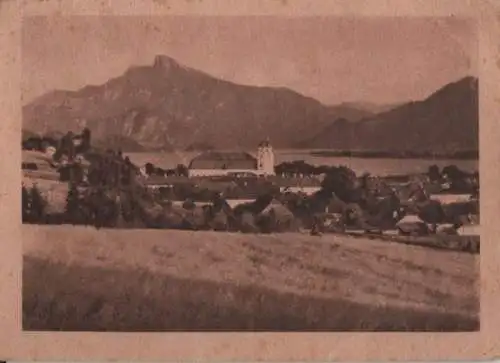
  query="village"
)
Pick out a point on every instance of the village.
point(249, 174)
point(67, 181)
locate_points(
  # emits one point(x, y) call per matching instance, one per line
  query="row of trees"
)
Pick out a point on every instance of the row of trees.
point(113, 197)
point(179, 170)
point(33, 205)
point(111, 170)
point(64, 145)
point(95, 207)
point(39, 143)
point(130, 207)
point(291, 168)
point(452, 172)
point(458, 180)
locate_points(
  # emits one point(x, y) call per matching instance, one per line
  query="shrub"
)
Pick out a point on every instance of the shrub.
point(431, 212)
point(38, 205)
point(73, 210)
point(25, 205)
point(189, 205)
point(182, 170)
point(434, 173)
point(341, 181)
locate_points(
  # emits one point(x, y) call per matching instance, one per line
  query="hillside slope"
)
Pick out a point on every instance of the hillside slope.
point(121, 279)
point(169, 104)
point(446, 121)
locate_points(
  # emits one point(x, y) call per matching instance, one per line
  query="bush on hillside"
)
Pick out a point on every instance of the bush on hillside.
point(343, 182)
point(182, 170)
point(72, 210)
point(431, 212)
point(247, 223)
point(38, 205)
point(86, 141)
point(189, 204)
point(104, 209)
point(434, 173)
point(25, 204)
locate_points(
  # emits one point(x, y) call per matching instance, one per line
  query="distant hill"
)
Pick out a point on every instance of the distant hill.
point(349, 112)
point(444, 122)
point(369, 107)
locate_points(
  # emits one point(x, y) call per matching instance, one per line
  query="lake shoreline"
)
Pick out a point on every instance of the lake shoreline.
point(374, 165)
point(403, 156)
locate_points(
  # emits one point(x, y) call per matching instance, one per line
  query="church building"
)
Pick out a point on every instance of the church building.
point(219, 163)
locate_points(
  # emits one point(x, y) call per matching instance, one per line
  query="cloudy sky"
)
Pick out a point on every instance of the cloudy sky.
point(379, 60)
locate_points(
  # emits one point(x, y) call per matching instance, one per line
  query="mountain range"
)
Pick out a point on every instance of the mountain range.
point(168, 106)
point(445, 122)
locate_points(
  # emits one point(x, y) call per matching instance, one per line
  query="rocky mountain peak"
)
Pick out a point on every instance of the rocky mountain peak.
point(164, 62)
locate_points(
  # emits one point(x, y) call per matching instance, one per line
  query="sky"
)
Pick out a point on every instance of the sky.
point(333, 59)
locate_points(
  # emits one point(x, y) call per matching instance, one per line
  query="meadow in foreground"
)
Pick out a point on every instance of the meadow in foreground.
point(81, 279)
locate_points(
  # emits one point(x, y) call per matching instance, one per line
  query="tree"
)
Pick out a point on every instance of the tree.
point(150, 169)
point(86, 140)
point(453, 172)
point(72, 209)
point(365, 180)
point(104, 209)
point(458, 178)
point(128, 207)
point(25, 203)
point(69, 146)
point(434, 173)
point(431, 212)
point(112, 211)
point(189, 204)
point(341, 181)
point(38, 204)
point(32, 143)
point(182, 170)
point(95, 172)
point(127, 172)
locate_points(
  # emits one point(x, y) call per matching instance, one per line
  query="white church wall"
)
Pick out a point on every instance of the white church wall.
point(265, 160)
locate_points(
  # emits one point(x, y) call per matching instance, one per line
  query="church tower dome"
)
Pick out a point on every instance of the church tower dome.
point(265, 158)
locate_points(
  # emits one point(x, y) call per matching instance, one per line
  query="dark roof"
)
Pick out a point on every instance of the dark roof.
point(170, 180)
point(224, 160)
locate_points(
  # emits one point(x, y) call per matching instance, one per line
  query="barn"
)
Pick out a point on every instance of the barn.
point(215, 163)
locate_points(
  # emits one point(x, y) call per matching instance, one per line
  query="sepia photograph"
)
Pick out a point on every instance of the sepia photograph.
point(250, 173)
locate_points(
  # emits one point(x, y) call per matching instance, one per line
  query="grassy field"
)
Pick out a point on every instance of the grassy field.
point(78, 278)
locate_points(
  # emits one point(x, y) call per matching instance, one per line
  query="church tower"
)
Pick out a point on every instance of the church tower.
point(265, 158)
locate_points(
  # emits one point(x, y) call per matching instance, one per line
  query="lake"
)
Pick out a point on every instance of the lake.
point(374, 166)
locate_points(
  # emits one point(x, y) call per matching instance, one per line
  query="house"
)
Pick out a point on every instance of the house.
point(219, 163)
point(214, 163)
point(38, 165)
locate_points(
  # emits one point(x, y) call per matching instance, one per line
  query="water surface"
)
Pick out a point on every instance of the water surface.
point(374, 166)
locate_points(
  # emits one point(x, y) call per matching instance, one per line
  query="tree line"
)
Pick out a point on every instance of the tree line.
point(70, 144)
point(114, 199)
